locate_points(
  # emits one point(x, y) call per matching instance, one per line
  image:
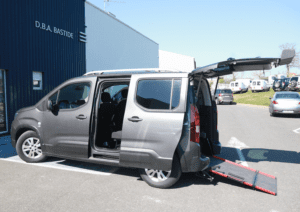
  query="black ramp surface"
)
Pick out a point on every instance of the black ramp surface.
point(243, 174)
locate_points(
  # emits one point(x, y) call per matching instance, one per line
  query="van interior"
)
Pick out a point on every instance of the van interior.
point(109, 114)
point(204, 105)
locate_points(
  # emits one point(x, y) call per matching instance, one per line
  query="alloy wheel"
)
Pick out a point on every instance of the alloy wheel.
point(32, 148)
point(157, 175)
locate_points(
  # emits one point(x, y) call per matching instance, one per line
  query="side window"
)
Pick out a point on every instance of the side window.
point(53, 98)
point(73, 95)
point(156, 94)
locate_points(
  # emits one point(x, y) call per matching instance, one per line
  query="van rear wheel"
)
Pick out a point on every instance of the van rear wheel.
point(162, 179)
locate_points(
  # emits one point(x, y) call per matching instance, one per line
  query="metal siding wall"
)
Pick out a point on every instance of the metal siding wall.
point(25, 48)
point(113, 45)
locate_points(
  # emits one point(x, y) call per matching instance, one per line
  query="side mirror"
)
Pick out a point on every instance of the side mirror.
point(50, 105)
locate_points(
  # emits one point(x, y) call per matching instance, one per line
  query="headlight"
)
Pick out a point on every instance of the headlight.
point(16, 114)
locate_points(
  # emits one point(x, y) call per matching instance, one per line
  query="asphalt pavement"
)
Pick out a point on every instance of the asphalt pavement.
point(248, 134)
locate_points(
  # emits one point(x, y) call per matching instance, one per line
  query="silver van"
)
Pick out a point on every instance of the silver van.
point(159, 121)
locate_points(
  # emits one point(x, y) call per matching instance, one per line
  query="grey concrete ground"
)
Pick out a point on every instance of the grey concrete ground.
point(248, 135)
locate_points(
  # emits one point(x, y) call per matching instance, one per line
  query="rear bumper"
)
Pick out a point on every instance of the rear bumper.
point(281, 110)
point(195, 161)
point(225, 99)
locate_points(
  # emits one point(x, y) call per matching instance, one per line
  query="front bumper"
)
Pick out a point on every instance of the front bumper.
point(13, 132)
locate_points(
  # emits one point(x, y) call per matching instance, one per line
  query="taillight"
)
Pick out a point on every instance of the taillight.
point(240, 88)
point(274, 102)
point(262, 88)
point(220, 94)
point(195, 125)
point(283, 83)
point(299, 103)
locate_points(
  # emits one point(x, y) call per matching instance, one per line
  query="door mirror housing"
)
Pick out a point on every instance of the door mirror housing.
point(50, 105)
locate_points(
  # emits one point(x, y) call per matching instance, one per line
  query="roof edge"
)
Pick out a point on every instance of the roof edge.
point(119, 21)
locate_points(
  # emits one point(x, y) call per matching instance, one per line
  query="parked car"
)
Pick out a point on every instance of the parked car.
point(259, 85)
point(285, 103)
point(223, 95)
point(294, 84)
point(165, 125)
point(238, 87)
point(281, 84)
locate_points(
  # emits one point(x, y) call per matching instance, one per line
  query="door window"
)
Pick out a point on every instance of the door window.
point(158, 94)
point(73, 96)
point(3, 123)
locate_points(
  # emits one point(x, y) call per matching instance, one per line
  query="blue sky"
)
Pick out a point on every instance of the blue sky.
point(214, 30)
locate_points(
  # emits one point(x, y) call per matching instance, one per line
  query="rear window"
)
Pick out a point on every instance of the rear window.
point(156, 94)
point(225, 91)
point(258, 82)
point(294, 79)
point(236, 84)
point(288, 96)
point(254, 83)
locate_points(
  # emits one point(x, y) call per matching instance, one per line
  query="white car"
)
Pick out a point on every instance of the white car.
point(259, 85)
point(238, 87)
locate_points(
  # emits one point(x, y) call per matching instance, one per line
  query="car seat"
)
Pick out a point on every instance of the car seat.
point(119, 116)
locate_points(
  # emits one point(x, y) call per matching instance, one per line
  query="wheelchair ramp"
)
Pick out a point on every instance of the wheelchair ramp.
point(245, 175)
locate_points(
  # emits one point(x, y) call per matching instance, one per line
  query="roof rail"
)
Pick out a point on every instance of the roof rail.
point(131, 71)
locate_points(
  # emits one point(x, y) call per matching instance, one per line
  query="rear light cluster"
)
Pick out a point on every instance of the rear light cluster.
point(274, 102)
point(195, 125)
point(220, 94)
point(262, 88)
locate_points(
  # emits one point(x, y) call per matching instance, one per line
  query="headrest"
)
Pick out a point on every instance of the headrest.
point(124, 93)
point(105, 97)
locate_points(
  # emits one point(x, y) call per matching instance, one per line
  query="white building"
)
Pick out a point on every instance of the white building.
point(111, 44)
point(170, 60)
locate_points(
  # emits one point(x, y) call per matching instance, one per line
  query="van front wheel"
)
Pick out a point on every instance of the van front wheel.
point(29, 147)
point(162, 179)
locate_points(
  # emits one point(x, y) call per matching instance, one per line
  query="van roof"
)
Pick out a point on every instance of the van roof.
point(132, 71)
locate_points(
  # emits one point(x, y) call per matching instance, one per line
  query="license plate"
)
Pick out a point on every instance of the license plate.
point(287, 111)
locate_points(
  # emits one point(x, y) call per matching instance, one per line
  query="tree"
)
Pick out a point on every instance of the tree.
point(258, 74)
point(295, 62)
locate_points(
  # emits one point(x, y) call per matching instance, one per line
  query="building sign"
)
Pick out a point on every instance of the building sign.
point(55, 30)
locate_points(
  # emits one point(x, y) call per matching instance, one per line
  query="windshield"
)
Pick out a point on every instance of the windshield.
point(287, 96)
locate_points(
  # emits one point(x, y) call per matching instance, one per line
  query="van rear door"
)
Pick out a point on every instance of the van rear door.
point(250, 64)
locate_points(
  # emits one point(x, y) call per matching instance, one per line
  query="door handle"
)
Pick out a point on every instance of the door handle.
point(81, 116)
point(135, 119)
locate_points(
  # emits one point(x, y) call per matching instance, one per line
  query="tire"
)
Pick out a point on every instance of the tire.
point(29, 147)
point(171, 177)
point(253, 91)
